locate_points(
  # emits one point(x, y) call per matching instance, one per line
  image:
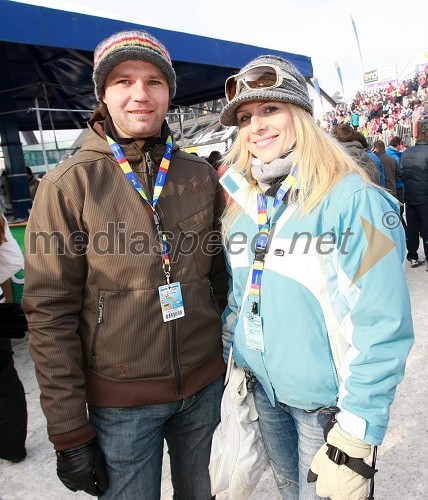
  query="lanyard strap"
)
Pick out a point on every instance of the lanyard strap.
point(264, 223)
point(159, 184)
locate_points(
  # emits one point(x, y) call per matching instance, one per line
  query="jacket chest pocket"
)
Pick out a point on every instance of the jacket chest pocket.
point(197, 241)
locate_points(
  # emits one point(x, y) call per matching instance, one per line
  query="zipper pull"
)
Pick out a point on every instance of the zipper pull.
point(212, 290)
point(100, 310)
point(149, 162)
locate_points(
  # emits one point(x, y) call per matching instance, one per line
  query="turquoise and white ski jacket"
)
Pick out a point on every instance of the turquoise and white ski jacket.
point(334, 302)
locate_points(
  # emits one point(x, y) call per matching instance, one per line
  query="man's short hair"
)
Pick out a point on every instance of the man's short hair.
point(422, 128)
point(360, 137)
point(343, 132)
point(394, 141)
point(378, 145)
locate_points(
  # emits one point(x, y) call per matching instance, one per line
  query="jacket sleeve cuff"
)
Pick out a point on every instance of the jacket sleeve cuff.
point(73, 438)
point(352, 424)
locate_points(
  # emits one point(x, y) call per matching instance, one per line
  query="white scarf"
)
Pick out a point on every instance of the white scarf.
point(266, 174)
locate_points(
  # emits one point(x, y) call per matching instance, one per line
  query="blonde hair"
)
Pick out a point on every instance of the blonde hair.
point(320, 159)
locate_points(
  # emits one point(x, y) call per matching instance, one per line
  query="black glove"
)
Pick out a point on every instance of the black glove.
point(12, 320)
point(83, 468)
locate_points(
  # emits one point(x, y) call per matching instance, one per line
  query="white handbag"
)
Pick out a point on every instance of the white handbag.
point(238, 455)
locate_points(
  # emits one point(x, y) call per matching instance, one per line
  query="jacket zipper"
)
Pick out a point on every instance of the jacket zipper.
point(176, 363)
point(100, 309)
point(100, 320)
point(213, 297)
point(149, 163)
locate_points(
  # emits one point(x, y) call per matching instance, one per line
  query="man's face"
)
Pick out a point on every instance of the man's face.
point(137, 97)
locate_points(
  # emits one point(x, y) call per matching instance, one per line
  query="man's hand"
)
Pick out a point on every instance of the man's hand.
point(334, 478)
point(83, 468)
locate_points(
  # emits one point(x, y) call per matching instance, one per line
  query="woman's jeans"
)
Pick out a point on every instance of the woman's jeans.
point(292, 437)
point(132, 440)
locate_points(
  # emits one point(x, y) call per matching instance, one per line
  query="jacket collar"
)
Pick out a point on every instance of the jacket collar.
point(238, 187)
point(101, 123)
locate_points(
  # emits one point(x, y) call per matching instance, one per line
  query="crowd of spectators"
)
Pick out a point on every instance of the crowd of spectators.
point(391, 111)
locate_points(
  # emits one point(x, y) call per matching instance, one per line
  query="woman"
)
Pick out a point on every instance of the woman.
point(318, 305)
point(13, 413)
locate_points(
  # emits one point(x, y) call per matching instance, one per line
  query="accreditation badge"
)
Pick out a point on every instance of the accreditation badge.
point(254, 332)
point(171, 301)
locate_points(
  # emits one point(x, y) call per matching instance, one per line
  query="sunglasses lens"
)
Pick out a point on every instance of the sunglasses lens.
point(261, 77)
point(230, 88)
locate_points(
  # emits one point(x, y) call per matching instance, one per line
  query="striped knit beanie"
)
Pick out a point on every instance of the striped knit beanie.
point(127, 46)
point(293, 91)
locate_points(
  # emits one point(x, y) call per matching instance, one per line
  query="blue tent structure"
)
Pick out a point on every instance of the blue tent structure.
point(46, 63)
point(41, 45)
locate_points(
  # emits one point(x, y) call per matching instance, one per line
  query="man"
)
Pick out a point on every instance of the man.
point(358, 136)
point(33, 183)
point(344, 133)
point(13, 413)
point(124, 312)
point(392, 150)
point(414, 172)
point(390, 165)
point(355, 119)
point(5, 203)
point(214, 159)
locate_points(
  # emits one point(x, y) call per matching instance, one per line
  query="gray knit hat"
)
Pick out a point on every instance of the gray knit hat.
point(294, 92)
point(127, 46)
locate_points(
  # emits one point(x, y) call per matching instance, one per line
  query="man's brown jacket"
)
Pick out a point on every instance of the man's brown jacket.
point(92, 272)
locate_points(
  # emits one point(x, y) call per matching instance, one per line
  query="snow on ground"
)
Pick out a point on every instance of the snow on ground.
point(401, 462)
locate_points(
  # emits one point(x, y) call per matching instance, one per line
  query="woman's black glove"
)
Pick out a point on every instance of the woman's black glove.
point(83, 468)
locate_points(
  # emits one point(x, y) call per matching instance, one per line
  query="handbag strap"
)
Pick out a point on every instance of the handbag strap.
point(230, 362)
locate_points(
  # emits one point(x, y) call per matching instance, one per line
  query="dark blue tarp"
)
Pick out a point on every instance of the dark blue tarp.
point(56, 47)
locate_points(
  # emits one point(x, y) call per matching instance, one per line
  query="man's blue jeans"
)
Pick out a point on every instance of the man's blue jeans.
point(132, 440)
point(292, 437)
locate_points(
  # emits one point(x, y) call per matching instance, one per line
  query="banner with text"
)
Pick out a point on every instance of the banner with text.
point(377, 80)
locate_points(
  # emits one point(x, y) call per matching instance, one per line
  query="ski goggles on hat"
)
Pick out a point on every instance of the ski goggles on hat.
point(264, 76)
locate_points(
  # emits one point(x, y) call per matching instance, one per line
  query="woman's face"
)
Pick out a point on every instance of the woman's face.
point(266, 128)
